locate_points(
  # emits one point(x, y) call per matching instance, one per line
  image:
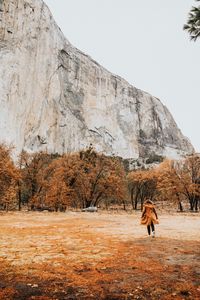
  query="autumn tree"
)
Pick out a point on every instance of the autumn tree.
point(191, 169)
point(33, 167)
point(142, 184)
point(104, 178)
point(58, 192)
point(87, 178)
point(179, 180)
point(169, 183)
point(9, 177)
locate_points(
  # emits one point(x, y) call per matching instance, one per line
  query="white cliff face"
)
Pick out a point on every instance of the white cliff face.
point(54, 97)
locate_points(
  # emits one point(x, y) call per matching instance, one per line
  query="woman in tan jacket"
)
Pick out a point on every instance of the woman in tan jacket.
point(149, 217)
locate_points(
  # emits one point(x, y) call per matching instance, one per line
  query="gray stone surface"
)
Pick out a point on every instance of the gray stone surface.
point(54, 97)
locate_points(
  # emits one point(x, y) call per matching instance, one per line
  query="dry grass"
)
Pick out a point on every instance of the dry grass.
point(61, 256)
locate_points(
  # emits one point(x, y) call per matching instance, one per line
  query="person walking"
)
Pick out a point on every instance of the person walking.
point(149, 217)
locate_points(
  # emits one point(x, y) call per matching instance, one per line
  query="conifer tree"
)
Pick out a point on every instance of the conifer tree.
point(193, 23)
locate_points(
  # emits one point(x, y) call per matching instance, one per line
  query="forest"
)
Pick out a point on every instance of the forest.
point(53, 182)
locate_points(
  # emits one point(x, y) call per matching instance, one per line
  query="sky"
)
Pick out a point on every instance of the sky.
point(142, 41)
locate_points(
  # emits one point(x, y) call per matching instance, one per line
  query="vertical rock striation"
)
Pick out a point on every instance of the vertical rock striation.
point(54, 97)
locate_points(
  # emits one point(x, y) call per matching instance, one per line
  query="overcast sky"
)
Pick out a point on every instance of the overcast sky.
point(143, 42)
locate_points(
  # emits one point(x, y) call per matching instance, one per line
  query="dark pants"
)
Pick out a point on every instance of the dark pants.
point(150, 227)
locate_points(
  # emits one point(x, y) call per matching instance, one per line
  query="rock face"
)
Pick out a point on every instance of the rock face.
point(54, 97)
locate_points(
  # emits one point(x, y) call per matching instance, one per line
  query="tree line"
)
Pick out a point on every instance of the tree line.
point(79, 180)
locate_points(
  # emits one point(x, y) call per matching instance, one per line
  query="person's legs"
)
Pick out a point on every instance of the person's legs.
point(149, 229)
point(153, 229)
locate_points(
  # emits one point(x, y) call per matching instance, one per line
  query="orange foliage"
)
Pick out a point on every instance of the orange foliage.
point(73, 180)
point(9, 176)
point(168, 182)
point(142, 184)
point(178, 180)
point(173, 181)
point(85, 179)
point(33, 170)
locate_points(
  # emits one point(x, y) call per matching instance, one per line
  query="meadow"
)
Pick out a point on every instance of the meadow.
point(103, 255)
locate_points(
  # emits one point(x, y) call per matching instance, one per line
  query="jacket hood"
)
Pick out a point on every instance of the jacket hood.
point(149, 205)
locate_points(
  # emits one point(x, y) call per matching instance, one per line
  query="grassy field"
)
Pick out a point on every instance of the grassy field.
point(78, 255)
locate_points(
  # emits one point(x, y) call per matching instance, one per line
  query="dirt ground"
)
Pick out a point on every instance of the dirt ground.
point(77, 255)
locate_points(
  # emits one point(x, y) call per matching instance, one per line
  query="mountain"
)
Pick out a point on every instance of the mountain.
point(54, 97)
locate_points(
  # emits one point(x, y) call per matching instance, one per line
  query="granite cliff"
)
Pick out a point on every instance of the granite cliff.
point(54, 97)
